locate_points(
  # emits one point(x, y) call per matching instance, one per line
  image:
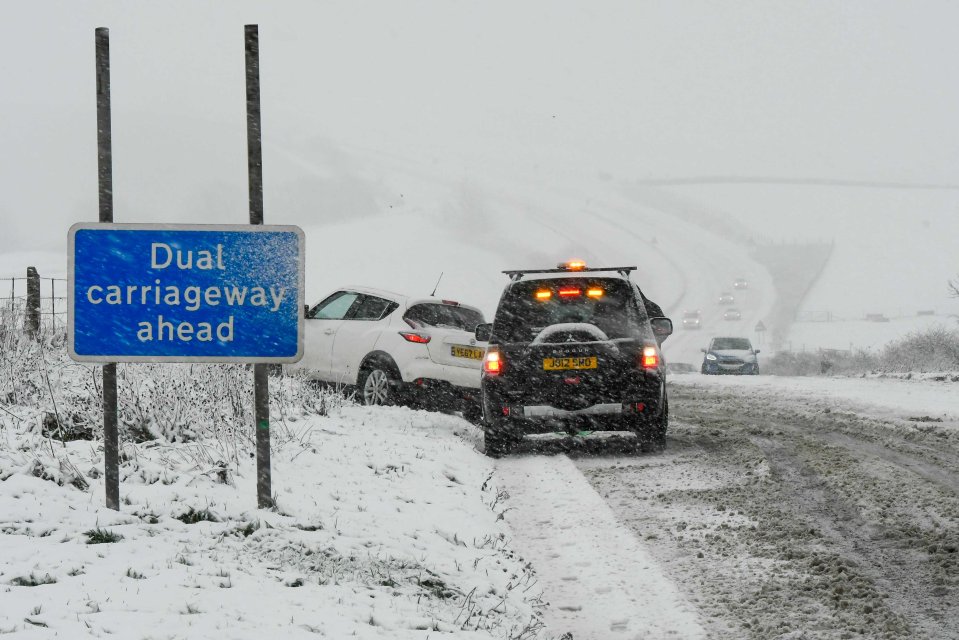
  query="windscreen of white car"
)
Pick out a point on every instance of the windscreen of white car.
point(731, 344)
point(334, 307)
point(443, 315)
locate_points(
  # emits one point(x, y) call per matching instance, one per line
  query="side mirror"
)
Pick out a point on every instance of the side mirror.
point(756, 351)
point(703, 350)
point(484, 331)
point(662, 327)
point(306, 311)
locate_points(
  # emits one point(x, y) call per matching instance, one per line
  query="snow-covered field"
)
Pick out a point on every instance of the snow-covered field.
point(388, 525)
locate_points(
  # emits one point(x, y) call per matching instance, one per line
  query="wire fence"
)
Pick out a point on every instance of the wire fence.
point(53, 300)
point(872, 316)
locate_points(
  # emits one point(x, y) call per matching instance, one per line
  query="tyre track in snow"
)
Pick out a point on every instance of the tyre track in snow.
point(777, 522)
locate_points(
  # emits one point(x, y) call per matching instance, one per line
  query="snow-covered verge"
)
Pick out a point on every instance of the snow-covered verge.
point(933, 398)
point(932, 349)
point(387, 524)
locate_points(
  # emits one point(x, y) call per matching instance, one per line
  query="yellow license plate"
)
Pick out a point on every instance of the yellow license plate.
point(560, 364)
point(467, 352)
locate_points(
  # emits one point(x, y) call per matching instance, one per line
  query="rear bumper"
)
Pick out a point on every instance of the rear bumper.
point(603, 417)
point(527, 414)
point(422, 368)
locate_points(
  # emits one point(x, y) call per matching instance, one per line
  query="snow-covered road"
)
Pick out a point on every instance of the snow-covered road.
point(786, 508)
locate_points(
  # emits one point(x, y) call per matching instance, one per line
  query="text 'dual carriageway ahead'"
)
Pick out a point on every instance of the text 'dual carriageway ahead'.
point(189, 293)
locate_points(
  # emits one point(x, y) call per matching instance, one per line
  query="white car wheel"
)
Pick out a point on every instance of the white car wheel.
point(377, 388)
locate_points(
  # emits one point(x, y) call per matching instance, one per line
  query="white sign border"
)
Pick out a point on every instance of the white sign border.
point(246, 228)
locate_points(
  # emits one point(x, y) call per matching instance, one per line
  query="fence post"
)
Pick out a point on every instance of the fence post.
point(53, 303)
point(31, 319)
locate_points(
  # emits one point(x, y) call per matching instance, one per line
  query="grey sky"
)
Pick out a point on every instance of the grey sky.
point(857, 90)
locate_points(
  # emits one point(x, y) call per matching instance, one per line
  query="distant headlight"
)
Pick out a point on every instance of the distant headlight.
point(710, 356)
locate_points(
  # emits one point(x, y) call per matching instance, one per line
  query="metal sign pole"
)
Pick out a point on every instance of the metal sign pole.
point(261, 380)
point(105, 173)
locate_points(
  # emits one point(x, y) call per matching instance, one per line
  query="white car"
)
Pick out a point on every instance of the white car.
point(395, 349)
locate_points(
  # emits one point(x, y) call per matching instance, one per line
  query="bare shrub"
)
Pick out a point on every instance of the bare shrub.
point(166, 403)
point(789, 363)
point(934, 349)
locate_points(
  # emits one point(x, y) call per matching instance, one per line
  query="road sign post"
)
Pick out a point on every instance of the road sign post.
point(760, 330)
point(261, 379)
point(111, 447)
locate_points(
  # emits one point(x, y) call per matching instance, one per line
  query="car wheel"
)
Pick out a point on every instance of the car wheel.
point(651, 433)
point(498, 440)
point(499, 435)
point(377, 386)
point(473, 412)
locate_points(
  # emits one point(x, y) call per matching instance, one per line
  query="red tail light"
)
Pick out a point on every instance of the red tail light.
point(415, 337)
point(492, 364)
point(650, 358)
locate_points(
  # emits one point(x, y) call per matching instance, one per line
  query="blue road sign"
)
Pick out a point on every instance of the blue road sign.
point(185, 293)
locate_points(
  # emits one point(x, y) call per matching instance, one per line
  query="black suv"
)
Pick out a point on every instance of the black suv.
point(574, 349)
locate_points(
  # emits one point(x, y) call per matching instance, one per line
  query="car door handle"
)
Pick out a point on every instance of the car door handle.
point(328, 332)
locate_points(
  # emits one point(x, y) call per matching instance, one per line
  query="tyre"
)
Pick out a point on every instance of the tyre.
point(651, 433)
point(377, 385)
point(499, 438)
point(473, 412)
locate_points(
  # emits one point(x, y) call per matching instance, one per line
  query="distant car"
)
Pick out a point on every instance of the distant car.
point(740, 283)
point(730, 355)
point(692, 319)
point(732, 314)
point(726, 298)
point(396, 349)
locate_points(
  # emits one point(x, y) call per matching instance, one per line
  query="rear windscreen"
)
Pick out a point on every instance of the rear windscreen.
point(529, 307)
point(443, 315)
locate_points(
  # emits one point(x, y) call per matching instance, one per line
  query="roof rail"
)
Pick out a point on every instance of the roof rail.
point(517, 274)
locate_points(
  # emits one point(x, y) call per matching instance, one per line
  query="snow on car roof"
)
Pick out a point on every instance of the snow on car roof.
point(447, 301)
point(399, 298)
point(382, 293)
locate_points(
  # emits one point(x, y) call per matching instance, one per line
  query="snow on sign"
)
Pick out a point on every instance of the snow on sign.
point(185, 293)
